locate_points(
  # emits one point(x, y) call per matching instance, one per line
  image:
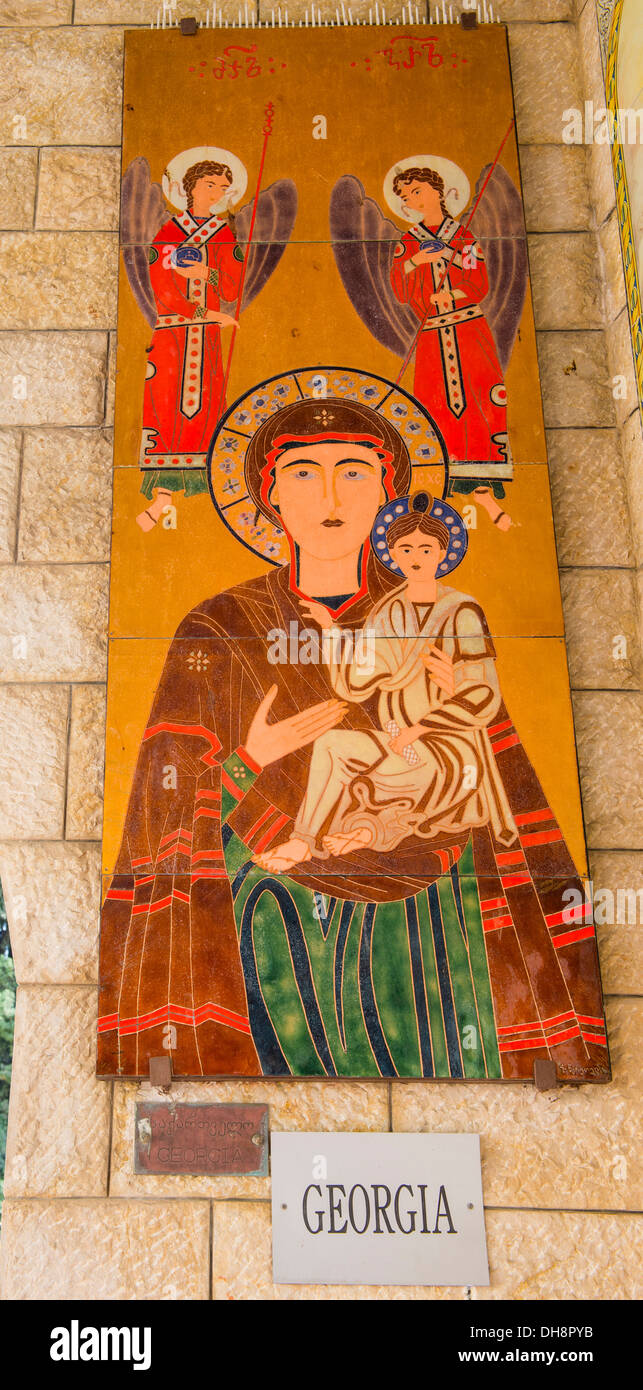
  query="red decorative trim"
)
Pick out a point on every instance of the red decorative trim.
point(514, 880)
point(208, 873)
point(509, 742)
point(569, 915)
point(568, 937)
point(195, 731)
point(530, 817)
point(270, 834)
point(541, 837)
point(243, 753)
point(206, 795)
point(490, 903)
point(174, 835)
point(205, 811)
point(207, 854)
point(493, 923)
point(231, 786)
point(136, 863)
point(175, 1013)
point(514, 856)
point(258, 824)
point(499, 729)
point(125, 895)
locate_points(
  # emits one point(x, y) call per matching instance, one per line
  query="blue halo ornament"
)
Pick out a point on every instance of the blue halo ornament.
point(440, 510)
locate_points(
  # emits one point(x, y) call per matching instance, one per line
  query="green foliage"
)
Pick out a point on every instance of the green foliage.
point(7, 1011)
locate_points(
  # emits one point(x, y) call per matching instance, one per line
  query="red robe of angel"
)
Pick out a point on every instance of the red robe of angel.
point(183, 397)
point(457, 372)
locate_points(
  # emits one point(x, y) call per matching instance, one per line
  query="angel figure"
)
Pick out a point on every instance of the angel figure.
point(452, 293)
point(186, 273)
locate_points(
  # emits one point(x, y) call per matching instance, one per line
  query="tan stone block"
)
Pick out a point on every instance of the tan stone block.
point(547, 11)
point(601, 629)
point(86, 763)
point(242, 1264)
point(58, 279)
point(42, 12)
point(66, 84)
point(532, 1255)
point(555, 188)
point(586, 476)
point(601, 181)
point(55, 622)
point(74, 468)
point(144, 11)
point(562, 1255)
point(576, 379)
point(96, 1249)
point(609, 738)
point(618, 336)
point(590, 56)
point(565, 281)
point(58, 1129)
point(609, 241)
point(617, 879)
point(547, 1149)
point(78, 189)
point(309, 1105)
point(52, 378)
point(52, 896)
point(33, 755)
point(632, 447)
point(18, 173)
point(10, 451)
point(546, 80)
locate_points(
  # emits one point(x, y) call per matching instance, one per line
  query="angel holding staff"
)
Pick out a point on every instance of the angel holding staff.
point(450, 293)
point(186, 273)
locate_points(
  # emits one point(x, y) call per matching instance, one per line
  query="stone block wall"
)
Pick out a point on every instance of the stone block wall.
point(559, 1168)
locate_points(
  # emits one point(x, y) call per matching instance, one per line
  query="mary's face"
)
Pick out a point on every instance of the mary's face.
point(328, 496)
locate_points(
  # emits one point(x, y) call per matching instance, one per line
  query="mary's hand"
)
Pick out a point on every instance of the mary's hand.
point(267, 742)
point(318, 612)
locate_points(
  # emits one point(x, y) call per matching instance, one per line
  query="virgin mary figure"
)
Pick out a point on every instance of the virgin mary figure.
point(454, 956)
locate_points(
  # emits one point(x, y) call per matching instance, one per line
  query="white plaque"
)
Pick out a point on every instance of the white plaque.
point(377, 1209)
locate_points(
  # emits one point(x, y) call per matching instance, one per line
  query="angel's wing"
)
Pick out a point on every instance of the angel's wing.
point(143, 213)
point(276, 212)
point(364, 242)
point(498, 225)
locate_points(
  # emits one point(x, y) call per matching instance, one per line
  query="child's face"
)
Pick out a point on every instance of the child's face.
point(418, 556)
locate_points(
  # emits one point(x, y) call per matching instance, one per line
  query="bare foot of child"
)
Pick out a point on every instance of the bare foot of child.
point(345, 844)
point(284, 857)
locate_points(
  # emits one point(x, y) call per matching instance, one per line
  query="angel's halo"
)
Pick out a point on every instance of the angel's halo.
point(178, 167)
point(456, 184)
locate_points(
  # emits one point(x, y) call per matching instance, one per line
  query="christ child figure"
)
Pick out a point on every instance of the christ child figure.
point(427, 767)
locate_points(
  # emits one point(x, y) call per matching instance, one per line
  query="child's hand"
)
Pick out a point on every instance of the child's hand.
point(440, 668)
point(406, 737)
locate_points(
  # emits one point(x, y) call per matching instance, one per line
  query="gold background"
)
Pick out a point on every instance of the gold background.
point(303, 317)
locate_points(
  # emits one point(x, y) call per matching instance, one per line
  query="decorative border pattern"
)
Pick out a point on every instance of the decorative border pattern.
point(623, 206)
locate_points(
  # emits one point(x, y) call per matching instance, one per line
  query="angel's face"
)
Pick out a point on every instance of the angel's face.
point(421, 198)
point(328, 496)
point(208, 192)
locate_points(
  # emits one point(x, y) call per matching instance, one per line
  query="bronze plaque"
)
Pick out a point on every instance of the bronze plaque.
point(197, 1139)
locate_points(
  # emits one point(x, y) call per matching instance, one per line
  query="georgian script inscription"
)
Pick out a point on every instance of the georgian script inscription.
point(201, 1139)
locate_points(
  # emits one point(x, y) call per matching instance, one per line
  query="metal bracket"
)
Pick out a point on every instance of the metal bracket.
point(545, 1074)
point(161, 1072)
point(469, 19)
point(189, 26)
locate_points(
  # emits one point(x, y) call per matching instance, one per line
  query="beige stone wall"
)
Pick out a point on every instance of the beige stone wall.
point(560, 1174)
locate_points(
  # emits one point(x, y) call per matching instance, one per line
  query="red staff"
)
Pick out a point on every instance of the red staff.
point(267, 132)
